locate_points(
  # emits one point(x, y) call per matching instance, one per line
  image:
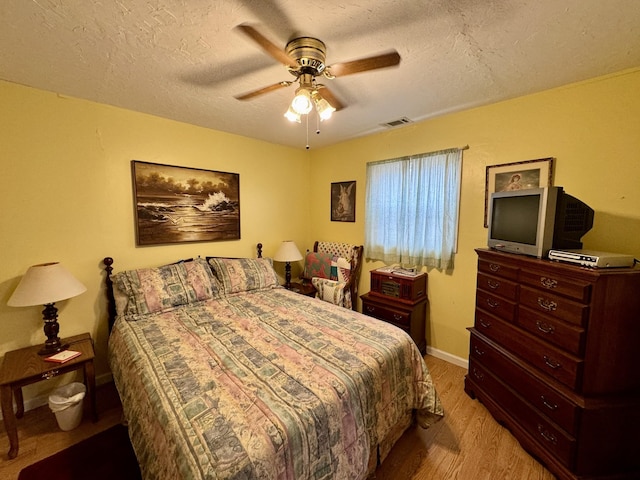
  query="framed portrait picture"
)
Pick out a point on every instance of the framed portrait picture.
point(343, 201)
point(180, 204)
point(517, 176)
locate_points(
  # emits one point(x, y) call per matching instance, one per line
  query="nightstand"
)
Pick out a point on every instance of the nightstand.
point(401, 300)
point(24, 366)
point(304, 289)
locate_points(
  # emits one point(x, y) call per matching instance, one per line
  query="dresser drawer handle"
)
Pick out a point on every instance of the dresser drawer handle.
point(548, 282)
point(493, 267)
point(548, 436)
point(548, 305)
point(478, 375)
point(548, 404)
point(370, 309)
point(397, 317)
point(484, 323)
point(50, 374)
point(551, 363)
point(478, 351)
point(492, 303)
point(493, 285)
point(545, 327)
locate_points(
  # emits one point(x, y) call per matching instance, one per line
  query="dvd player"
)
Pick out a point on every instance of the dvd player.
point(591, 258)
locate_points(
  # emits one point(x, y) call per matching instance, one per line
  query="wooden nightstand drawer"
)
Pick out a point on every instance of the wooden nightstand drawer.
point(410, 317)
point(388, 314)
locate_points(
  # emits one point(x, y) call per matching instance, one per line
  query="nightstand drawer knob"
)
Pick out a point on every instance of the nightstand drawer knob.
point(50, 374)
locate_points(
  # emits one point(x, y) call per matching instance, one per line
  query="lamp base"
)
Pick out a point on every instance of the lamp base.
point(48, 350)
point(51, 329)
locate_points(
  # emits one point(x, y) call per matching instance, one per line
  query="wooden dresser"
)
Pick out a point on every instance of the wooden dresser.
point(554, 357)
point(400, 300)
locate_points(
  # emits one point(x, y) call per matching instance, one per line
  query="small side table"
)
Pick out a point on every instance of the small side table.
point(304, 289)
point(24, 367)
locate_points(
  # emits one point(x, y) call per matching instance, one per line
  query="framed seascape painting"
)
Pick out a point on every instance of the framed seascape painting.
point(180, 204)
point(517, 176)
point(343, 201)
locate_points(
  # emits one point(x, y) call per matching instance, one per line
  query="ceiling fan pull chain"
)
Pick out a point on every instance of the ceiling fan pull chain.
point(307, 120)
point(317, 123)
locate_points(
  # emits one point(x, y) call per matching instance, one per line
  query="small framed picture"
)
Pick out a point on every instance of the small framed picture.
point(517, 176)
point(343, 201)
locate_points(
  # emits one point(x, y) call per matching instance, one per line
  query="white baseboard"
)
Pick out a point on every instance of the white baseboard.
point(41, 400)
point(447, 357)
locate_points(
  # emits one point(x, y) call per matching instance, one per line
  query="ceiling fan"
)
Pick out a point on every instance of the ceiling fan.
point(304, 58)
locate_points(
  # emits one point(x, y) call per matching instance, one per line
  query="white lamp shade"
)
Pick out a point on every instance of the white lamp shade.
point(288, 252)
point(45, 283)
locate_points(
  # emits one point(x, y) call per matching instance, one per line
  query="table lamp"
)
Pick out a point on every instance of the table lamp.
point(46, 284)
point(288, 252)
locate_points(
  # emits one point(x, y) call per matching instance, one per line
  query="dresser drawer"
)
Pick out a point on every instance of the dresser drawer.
point(564, 335)
point(552, 438)
point(498, 286)
point(497, 269)
point(578, 290)
point(401, 318)
point(536, 392)
point(554, 305)
point(496, 305)
point(565, 368)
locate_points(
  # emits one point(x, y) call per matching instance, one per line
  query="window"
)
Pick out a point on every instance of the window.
point(412, 209)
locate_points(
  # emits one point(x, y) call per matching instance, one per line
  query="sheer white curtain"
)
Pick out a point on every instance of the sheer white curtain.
point(412, 208)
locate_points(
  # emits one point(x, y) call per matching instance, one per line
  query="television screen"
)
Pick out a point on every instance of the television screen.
point(515, 219)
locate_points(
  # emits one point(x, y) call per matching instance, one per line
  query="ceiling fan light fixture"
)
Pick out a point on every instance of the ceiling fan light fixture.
point(301, 103)
point(324, 108)
point(292, 115)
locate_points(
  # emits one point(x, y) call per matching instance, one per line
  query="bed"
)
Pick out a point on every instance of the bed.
point(223, 374)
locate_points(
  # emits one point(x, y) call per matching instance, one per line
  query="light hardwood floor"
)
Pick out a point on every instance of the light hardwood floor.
point(466, 445)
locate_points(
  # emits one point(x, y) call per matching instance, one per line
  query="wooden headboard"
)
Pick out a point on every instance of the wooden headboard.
point(111, 302)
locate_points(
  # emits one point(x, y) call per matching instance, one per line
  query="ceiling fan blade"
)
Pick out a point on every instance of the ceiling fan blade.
point(370, 63)
point(261, 91)
point(271, 48)
point(328, 95)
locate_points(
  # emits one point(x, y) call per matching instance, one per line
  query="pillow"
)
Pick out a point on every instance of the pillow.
point(150, 290)
point(244, 274)
point(317, 265)
point(330, 291)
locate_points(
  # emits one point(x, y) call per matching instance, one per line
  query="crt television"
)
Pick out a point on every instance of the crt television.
point(533, 221)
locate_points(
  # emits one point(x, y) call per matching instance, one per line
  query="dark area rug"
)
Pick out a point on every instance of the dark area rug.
point(105, 456)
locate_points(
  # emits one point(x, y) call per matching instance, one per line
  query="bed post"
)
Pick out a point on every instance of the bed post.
point(111, 303)
point(259, 250)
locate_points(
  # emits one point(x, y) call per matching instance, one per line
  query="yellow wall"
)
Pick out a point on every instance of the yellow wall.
point(67, 196)
point(592, 129)
point(66, 189)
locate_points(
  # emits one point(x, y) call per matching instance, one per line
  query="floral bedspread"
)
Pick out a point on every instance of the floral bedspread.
point(265, 384)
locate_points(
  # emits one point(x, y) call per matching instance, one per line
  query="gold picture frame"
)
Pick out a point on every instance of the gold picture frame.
point(536, 173)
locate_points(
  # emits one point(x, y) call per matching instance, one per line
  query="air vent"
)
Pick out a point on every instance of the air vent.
point(397, 123)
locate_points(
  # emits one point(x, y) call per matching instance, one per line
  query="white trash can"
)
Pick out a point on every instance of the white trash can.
point(66, 403)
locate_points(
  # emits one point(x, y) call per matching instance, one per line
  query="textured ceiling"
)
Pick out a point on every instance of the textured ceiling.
point(182, 59)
